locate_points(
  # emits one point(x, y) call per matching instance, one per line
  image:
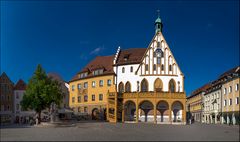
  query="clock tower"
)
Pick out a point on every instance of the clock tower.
point(158, 23)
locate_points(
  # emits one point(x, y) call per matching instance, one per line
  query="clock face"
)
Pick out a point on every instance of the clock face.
point(159, 52)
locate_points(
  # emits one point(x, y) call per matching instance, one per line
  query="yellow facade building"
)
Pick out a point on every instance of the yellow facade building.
point(88, 88)
point(195, 103)
point(230, 97)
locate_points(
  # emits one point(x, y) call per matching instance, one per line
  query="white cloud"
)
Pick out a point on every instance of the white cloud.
point(97, 50)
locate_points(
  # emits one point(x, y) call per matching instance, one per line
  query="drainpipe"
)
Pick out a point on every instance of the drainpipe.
point(221, 106)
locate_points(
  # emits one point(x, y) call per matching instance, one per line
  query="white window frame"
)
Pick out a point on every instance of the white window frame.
point(109, 82)
point(100, 98)
point(85, 98)
point(230, 102)
point(94, 84)
point(79, 86)
point(101, 84)
point(86, 85)
point(229, 89)
point(93, 97)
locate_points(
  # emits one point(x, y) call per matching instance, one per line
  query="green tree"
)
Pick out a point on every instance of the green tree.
point(41, 92)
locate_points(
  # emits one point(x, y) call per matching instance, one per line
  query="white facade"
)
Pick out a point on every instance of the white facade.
point(18, 113)
point(212, 105)
point(149, 60)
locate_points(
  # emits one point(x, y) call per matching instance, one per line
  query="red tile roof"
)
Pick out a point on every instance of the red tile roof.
point(130, 56)
point(229, 72)
point(215, 84)
point(21, 85)
point(201, 89)
point(100, 62)
point(5, 79)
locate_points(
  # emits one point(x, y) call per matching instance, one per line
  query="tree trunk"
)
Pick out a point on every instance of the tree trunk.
point(52, 113)
point(39, 117)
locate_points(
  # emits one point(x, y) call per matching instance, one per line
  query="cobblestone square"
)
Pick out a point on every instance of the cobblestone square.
point(99, 131)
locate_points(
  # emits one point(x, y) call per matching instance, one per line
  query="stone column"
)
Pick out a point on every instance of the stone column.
point(155, 114)
point(233, 119)
point(116, 110)
point(137, 113)
point(228, 119)
point(107, 112)
point(123, 113)
point(184, 115)
point(221, 119)
point(170, 113)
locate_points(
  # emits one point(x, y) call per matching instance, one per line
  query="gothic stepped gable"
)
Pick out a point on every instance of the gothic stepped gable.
point(167, 64)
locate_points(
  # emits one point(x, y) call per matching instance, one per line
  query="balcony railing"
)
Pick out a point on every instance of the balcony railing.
point(165, 95)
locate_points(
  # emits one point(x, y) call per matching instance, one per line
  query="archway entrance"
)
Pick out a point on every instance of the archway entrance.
point(17, 119)
point(177, 111)
point(129, 111)
point(146, 113)
point(95, 114)
point(163, 108)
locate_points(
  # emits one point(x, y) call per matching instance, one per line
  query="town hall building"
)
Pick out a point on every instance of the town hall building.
point(149, 84)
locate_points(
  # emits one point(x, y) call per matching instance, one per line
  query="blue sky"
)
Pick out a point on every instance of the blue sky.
point(63, 36)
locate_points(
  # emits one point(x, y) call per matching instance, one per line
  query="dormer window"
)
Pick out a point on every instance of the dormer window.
point(126, 57)
point(82, 75)
point(98, 72)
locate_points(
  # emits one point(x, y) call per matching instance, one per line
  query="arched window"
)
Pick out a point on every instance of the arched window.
point(170, 67)
point(131, 69)
point(172, 86)
point(158, 85)
point(144, 85)
point(162, 67)
point(123, 70)
point(128, 87)
point(121, 87)
point(154, 67)
point(158, 60)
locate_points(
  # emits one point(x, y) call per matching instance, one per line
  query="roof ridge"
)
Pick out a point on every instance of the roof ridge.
point(134, 48)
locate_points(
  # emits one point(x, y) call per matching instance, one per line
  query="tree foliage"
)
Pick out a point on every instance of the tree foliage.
point(41, 92)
